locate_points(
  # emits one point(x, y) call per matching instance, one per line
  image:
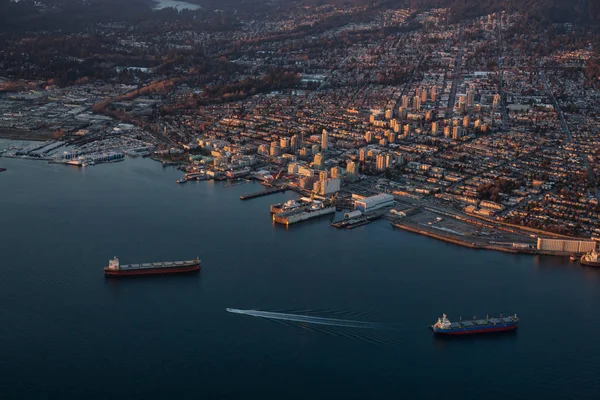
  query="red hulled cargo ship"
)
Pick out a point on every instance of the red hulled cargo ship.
point(115, 269)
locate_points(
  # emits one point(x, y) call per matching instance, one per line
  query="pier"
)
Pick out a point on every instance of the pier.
point(262, 193)
point(351, 223)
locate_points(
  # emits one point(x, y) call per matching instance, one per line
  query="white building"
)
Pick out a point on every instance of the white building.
point(374, 202)
point(324, 140)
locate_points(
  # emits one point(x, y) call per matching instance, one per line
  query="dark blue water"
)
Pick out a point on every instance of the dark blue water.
point(66, 332)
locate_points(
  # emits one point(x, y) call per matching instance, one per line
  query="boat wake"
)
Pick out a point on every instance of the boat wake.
point(310, 319)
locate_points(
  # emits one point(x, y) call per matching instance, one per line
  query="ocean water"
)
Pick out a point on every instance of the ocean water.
point(69, 333)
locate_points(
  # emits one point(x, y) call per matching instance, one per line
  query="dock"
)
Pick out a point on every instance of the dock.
point(262, 193)
point(364, 219)
point(302, 214)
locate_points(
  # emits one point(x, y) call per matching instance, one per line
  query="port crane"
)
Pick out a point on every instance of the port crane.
point(333, 198)
point(279, 174)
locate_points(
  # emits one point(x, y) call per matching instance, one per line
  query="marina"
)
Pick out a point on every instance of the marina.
point(92, 159)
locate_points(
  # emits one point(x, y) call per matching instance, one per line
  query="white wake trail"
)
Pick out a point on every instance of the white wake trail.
point(309, 319)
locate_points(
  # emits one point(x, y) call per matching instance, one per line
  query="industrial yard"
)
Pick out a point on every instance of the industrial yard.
point(453, 228)
point(479, 234)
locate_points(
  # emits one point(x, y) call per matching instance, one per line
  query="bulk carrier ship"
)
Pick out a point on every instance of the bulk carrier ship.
point(114, 268)
point(502, 324)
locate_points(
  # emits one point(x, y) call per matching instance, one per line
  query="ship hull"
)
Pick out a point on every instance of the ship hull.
point(277, 208)
point(152, 271)
point(589, 263)
point(474, 330)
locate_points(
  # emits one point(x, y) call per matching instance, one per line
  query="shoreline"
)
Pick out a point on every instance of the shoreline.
point(448, 238)
point(475, 245)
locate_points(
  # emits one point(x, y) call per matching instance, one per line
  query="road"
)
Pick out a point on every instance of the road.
point(457, 71)
point(503, 101)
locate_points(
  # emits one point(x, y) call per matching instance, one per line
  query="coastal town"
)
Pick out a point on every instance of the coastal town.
point(482, 132)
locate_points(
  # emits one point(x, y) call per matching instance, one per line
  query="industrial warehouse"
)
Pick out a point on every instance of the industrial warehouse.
point(568, 246)
point(373, 203)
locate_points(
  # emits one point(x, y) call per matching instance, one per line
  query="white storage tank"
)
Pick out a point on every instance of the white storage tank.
point(352, 214)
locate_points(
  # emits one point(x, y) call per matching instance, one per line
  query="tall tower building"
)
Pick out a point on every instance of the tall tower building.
point(380, 162)
point(434, 128)
point(433, 94)
point(294, 143)
point(392, 137)
point(362, 154)
point(447, 131)
point(416, 103)
point(404, 102)
point(462, 99)
point(456, 132)
point(275, 150)
point(387, 160)
point(336, 172)
point(388, 114)
point(351, 168)
point(424, 96)
point(470, 98)
point(399, 159)
point(369, 136)
point(323, 175)
point(465, 122)
point(318, 161)
point(324, 140)
point(496, 101)
point(403, 113)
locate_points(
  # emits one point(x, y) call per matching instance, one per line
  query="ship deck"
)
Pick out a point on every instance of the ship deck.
point(165, 264)
point(482, 323)
point(294, 211)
